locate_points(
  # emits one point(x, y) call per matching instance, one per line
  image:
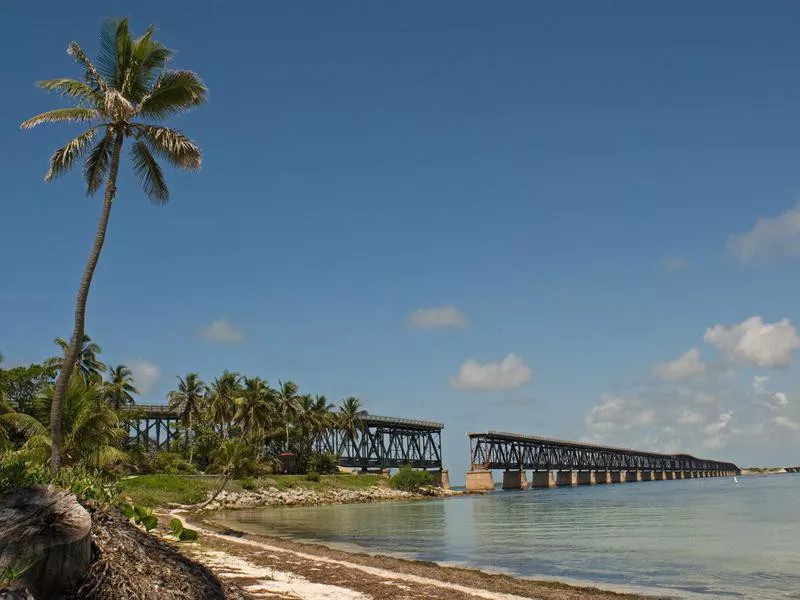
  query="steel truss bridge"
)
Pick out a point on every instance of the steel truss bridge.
point(380, 442)
point(498, 450)
point(386, 443)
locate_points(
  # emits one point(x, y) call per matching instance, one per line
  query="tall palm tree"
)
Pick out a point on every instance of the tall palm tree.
point(223, 394)
point(87, 365)
point(120, 387)
point(187, 400)
point(288, 405)
point(91, 430)
point(350, 417)
point(122, 95)
point(256, 407)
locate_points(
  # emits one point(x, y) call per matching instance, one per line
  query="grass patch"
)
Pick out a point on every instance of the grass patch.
point(159, 490)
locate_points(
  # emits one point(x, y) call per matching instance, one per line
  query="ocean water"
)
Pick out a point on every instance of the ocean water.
point(700, 538)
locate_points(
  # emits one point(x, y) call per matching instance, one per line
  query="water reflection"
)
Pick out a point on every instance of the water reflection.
point(703, 536)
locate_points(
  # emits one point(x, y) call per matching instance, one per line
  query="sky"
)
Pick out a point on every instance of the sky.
point(575, 220)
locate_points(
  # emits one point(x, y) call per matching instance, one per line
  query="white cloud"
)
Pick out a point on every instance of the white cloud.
point(771, 237)
point(686, 366)
point(438, 316)
point(145, 374)
point(222, 331)
point(787, 423)
point(690, 417)
point(755, 342)
point(509, 373)
point(773, 400)
point(673, 264)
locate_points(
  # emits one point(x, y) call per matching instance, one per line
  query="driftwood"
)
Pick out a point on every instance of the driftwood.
point(47, 527)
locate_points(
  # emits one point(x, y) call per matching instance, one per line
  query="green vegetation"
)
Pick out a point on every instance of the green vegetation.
point(161, 490)
point(122, 96)
point(410, 480)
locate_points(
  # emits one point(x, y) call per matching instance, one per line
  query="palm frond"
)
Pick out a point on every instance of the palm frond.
point(173, 92)
point(114, 55)
point(72, 88)
point(171, 145)
point(92, 75)
point(97, 163)
point(148, 59)
point(23, 423)
point(63, 158)
point(61, 115)
point(149, 173)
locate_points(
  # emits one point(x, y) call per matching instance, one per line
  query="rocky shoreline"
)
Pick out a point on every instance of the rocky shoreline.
point(272, 496)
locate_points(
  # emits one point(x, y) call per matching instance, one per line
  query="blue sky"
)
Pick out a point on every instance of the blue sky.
point(569, 179)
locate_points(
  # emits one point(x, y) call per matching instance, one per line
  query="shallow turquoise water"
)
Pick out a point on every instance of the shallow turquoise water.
point(707, 538)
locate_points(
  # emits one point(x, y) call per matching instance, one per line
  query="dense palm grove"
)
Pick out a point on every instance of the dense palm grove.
point(230, 422)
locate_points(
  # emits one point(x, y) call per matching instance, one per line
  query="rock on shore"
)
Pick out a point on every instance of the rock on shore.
point(272, 496)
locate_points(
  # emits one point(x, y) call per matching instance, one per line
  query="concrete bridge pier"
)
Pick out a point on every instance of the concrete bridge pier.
point(603, 477)
point(659, 475)
point(515, 480)
point(648, 475)
point(618, 476)
point(586, 478)
point(633, 476)
point(480, 481)
point(669, 474)
point(441, 478)
point(542, 479)
point(567, 478)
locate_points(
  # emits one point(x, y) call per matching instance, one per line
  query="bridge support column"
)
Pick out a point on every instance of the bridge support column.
point(603, 477)
point(441, 478)
point(480, 481)
point(669, 474)
point(633, 476)
point(542, 479)
point(618, 476)
point(567, 478)
point(586, 478)
point(648, 476)
point(515, 480)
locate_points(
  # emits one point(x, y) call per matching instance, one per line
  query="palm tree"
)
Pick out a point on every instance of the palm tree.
point(256, 406)
point(121, 96)
point(13, 422)
point(232, 459)
point(187, 401)
point(120, 387)
point(350, 417)
point(288, 405)
point(91, 431)
point(88, 366)
point(223, 394)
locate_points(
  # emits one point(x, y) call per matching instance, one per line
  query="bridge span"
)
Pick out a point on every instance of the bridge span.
point(560, 462)
point(380, 443)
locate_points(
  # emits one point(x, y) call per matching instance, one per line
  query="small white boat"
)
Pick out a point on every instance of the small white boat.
point(735, 480)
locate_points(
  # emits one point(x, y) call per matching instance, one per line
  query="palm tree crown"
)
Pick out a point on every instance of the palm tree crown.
point(120, 95)
point(88, 366)
point(351, 415)
point(120, 387)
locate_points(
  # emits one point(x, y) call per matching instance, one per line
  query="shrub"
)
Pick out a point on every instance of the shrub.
point(248, 484)
point(326, 463)
point(171, 463)
point(313, 476)
point(410, 480)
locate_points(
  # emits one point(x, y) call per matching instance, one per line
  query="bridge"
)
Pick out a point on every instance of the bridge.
point(561, 462)
point(380, 443)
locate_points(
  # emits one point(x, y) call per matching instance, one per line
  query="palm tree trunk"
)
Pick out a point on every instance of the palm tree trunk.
point(76, 340)
point(191, 447)
point(287, 436)
point(216, 493)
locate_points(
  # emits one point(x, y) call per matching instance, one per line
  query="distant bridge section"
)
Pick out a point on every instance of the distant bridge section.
point(576, 462)
point(379, 443)
point(386, 443)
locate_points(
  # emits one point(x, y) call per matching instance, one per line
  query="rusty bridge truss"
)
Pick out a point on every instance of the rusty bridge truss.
point(386, 443)
point(380, 442)
point(497, 450)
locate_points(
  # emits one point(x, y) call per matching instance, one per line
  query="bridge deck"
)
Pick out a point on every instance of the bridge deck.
point(502, 450)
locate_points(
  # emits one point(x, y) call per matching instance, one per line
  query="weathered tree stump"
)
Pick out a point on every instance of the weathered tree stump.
point(45, 524)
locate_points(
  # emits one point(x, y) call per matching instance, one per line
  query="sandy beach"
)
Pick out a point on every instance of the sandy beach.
point(267, 567)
